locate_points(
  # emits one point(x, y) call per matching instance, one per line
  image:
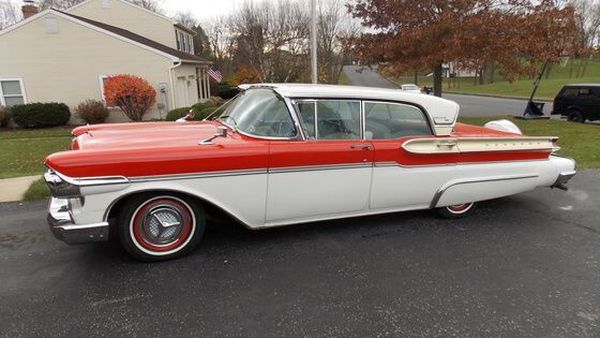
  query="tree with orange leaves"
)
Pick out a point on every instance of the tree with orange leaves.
point(517, 35)
point(134, 95)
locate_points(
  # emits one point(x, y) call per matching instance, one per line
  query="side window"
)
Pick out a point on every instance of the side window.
point(569, 92)
point(584, 92)
point(338, 120)
point(331, 119)
point(394, 120)
point(306, 110)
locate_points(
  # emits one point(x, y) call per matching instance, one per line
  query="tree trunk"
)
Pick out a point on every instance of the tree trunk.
point(437, 80)
point(416, 78)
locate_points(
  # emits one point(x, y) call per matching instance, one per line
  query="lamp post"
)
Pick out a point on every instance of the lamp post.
point(313, 41)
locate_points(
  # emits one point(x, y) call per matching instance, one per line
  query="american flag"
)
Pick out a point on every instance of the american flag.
point(215, 73)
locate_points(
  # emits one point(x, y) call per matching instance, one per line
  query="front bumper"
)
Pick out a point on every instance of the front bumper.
point(62, 225)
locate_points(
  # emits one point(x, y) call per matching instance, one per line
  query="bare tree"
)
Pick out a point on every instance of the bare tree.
point(336, 29)
point(9, 14)
point(186, 18)
point(587, 14)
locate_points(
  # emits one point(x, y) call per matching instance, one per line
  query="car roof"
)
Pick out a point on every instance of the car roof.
point(583, 85)
point(442, 112)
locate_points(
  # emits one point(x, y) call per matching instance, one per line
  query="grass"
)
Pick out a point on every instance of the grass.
point(37, 191)
point(24, 150)
point(549, 87)
point(577, 140)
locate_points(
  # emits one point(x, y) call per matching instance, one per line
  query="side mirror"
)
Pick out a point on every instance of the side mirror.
point(221, 132)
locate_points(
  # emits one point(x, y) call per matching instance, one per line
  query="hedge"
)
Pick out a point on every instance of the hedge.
point(40, 115)
point(201, 111)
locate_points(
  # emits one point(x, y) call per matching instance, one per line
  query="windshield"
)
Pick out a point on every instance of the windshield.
point(257, 112)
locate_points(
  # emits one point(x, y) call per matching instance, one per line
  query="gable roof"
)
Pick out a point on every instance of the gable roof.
point(183, 56)
point(129, 3)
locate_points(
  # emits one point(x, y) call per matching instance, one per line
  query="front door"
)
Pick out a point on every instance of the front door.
point(327, 175)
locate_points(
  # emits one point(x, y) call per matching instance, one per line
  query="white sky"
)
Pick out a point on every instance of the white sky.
point(203, 10)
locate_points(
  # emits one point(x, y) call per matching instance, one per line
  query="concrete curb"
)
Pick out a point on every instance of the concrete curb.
point(13, 189)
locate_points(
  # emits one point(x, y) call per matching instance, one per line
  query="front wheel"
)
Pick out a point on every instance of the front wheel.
point(159, 227)
point(456, 211)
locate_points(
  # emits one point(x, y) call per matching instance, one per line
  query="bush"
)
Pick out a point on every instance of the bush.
point(4, 116)
point(134, 95)
point(177, 113)
point(226, 91)
point(200, 112)
point(214, 101)
point(92, 111)
point(40, 115)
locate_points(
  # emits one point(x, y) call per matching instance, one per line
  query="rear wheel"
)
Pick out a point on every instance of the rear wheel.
point(456, 211)
point(576, 116)
point(158, 227)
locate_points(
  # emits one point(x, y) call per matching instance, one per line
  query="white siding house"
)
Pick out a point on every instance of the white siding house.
point(56, 56)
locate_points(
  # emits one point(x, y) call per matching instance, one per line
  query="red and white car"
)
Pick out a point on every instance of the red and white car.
point(280, 154)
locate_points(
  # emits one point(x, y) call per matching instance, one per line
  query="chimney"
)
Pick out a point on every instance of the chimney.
point(29, 8)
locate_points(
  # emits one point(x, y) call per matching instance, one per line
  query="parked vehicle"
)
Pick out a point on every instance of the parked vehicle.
point(578, 102)
point(410, 88)
point(280, 154)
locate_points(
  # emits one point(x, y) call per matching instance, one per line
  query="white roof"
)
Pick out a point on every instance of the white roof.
point(443, 113)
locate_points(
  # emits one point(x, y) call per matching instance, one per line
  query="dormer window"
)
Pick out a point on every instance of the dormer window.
point(185, 41)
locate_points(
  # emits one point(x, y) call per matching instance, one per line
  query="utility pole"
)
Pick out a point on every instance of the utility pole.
point(313, 41)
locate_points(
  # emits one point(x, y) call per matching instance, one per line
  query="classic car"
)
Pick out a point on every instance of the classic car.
point(279, 154)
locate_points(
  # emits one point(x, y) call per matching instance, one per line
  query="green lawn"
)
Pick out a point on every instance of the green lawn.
point(549, 87)
point(23, 151)
point(577, 140)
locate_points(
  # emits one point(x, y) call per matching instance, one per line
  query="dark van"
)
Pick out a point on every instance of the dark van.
point(578, 102)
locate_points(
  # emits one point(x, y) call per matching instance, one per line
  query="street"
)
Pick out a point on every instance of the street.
point(526, 265)
point(469, 105)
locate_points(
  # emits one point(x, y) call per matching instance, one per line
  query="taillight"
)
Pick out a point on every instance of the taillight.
point(555, 146)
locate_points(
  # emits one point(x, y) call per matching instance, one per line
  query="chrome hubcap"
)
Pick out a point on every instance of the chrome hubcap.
point(162, 225)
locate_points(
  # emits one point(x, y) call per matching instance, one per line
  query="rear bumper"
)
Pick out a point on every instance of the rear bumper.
point(62, 225)
point(563, 179)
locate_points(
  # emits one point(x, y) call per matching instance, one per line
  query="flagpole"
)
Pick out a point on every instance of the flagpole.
point(313, 41)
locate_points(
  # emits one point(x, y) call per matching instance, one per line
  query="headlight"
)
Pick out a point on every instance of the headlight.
point(59, 187)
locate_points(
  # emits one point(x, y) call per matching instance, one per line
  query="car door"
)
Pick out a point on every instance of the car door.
point(326, 175)
point(405, 179)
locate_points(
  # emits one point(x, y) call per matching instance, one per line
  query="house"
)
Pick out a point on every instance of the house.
point(56, 56)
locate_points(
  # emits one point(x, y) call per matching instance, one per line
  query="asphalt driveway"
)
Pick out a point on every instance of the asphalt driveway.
point(526, 265)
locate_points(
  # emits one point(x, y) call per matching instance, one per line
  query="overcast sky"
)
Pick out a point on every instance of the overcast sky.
point(202, 9)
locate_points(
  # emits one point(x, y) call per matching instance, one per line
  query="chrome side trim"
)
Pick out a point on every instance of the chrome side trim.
point(320, 168)
point(415, 166)
point(438, 194)
point(465, 144)
point(138, 179)
point(91, 181)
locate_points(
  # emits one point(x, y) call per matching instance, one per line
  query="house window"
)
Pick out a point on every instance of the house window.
point(184, 41)
point(102, 81)
point(11, 92)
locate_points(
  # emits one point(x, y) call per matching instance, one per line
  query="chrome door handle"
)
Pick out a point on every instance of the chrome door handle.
point(449, 144)
point(361, 146)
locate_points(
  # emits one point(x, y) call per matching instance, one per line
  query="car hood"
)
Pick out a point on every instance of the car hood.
point(163, 148)
point(142, 135)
